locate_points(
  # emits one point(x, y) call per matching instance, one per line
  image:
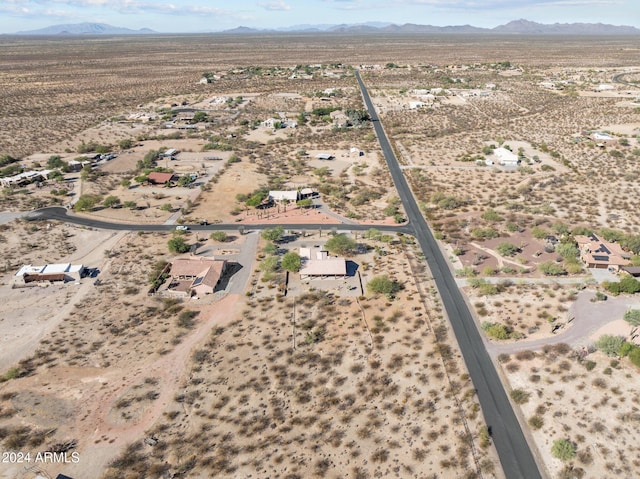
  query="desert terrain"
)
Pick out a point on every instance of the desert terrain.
point(275, 376)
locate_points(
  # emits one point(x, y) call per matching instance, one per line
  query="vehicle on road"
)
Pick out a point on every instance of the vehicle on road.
point(182, 228)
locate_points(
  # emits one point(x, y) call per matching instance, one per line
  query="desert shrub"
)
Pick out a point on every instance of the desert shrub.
point(111, 201)
point(520, 396)
point(632, 317)
point(499, 331)
point(185, 319)
point(219, 236)
point(485, 437)
point(484, 233)
point(609, 344)
point(589, 365)
point(507, 249)
point(491, 215)
point(563, 449)
point(536, 422)
point(626, 285)
point(383, 285)
point(86, 202)
point(550, 268)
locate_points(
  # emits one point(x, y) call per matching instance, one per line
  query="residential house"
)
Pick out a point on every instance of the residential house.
point(49, 272)
point(317, 264)
point(160, 178)
point(599, 253)
point(25, 178)
point(506, 157)
point(290, 196)
point(195, 276)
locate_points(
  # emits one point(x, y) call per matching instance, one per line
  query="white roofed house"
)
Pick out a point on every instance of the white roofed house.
point(506, 157)
point(49, 272)
point(290, 196)
point(317, 264)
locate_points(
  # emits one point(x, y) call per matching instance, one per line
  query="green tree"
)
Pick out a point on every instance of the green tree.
point(291, 261)
point(568, 251)
point(111, 201)
point(200, 116)
point(185, 180)
point(85, 173)
point(130, 204)
point(56, 162)
point(507, 249)
point(609, 344)
point(496, 330)
point(125, 183)
point(177, 244)
point(166, 207)
point(86, 202)
point(219, 236)
point(270, 248)
point(256, 199)
point(383, 285)
point(273, 234)
point(269, 264)
point(305, 203)
point(630, 285)
point(563, 449)
point(632, 242)
point(341, 244)
point(373, 234)
point(632, 317)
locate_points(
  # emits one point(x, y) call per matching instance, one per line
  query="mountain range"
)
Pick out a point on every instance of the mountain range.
point(85, 29)
point(516, 27)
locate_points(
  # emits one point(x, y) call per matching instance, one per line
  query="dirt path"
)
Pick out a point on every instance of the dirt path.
point(104, 439)
point(500, 259)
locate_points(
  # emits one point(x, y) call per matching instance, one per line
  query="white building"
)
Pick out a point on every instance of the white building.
point(317, 263)
point(506, 157)
point(291, 196)
point(49, 272)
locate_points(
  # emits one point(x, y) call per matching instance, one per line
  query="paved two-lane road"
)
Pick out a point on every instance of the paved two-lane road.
point(515, 454)
point(61, 214)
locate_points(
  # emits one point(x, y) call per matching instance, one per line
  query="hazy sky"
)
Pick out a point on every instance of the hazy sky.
point(215, 15)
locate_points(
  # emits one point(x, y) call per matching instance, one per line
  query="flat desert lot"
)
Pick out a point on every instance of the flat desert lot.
point(325, 381)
